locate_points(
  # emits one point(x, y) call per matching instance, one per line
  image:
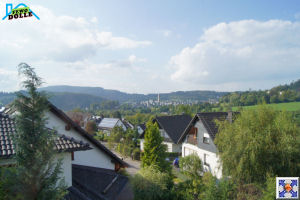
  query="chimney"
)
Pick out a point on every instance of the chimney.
point(229, 116)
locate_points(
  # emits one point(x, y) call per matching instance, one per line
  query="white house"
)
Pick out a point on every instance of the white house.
point(171, 128)
point(64, 145)
point(198, 138)
point(99, 156)
point(81, 154)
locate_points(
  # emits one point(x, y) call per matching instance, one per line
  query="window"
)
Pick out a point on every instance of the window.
point(205, 159)
point(72, 155)
point(206, 138)
point(195, 132)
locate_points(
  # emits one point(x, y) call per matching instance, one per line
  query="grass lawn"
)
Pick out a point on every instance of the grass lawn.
point(292, 106)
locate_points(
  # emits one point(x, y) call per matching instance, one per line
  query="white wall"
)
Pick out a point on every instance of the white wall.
point(93, 158)
point(201, 148)
point(66, 166)
point(176, 148)
point(142, 144)
point(212, 159)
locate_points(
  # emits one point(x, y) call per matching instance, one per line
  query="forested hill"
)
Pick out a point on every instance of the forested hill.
point(63, 100)
point(126, 97)
point(279, 94)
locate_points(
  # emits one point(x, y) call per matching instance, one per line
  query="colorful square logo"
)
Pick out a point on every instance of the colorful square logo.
point(287, 187)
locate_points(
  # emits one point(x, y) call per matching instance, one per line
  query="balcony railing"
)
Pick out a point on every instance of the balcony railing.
point(191, 140)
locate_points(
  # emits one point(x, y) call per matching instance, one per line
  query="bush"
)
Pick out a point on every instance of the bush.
point(151, 184)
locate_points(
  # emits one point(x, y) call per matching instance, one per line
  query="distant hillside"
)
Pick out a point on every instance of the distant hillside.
point(279, 94)
point(68, 101)
point(6, 98)
point(63, 100)
point(126, 97)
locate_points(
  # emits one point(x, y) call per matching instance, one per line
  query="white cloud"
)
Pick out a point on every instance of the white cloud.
point(62, 38)
point(241, 52)
point(8, 79)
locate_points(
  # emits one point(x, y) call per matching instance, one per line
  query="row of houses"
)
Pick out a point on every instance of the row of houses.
point(90, 169)
point(186, 135)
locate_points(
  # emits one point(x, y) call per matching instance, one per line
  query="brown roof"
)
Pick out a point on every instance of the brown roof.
point(8, 129)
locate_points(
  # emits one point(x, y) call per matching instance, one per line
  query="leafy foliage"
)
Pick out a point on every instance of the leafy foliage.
point(91, 127)
point(152, 184)
point(259, 142)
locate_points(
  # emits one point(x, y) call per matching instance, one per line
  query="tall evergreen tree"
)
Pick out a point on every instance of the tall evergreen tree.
point(37, 173)
point(154, 149)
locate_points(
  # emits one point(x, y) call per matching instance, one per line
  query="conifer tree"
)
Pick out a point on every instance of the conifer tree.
point(37, 173)
point(154, 149)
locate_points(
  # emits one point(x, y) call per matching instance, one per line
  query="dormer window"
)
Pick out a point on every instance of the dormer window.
point(206, 138)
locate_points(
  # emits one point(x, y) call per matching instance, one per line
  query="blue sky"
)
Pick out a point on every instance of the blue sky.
point(154, 46)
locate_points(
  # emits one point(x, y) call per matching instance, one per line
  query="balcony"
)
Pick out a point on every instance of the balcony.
point(192, 140)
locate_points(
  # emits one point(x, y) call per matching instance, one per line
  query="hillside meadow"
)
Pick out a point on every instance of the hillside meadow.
point(292, 106)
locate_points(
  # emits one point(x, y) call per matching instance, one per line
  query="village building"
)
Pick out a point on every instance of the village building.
point(107, 124)
point(198, 138)
point(81, 154)
point(171, 128)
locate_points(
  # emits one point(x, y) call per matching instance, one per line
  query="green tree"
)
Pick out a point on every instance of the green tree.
point(37, 174)
point(259, 142)
point(154, 149)
point(191, 166)
point(151, 184)
point(91, 127)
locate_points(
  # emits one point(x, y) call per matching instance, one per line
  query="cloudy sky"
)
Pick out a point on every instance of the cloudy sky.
point(154, 46)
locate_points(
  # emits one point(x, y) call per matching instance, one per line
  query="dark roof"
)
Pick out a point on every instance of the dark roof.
point(98, 183)
point(8, 129)
point(75, 194)
point(127, 124)
point(143, 126)
point(59, 113)
point(208, 119)
point(174, 125)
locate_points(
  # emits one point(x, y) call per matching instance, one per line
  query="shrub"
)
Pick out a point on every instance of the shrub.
point(151, 184)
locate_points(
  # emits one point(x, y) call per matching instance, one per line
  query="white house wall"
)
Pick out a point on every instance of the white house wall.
point(202, 148)
point(66, 166)
point(93, 158)
point(212, 159)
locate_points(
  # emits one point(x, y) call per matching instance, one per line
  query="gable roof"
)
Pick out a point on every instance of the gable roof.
point(8, 130)
point(108, 123)
point(208, 119)
point(60, 114)
point(174, 125)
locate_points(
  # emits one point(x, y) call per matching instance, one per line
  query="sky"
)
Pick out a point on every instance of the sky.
point(140, 46)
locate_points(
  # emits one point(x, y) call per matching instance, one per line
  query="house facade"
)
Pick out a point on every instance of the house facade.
point(198, 138)
point(80, 154)
point(65, 147)
point(171, 128)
